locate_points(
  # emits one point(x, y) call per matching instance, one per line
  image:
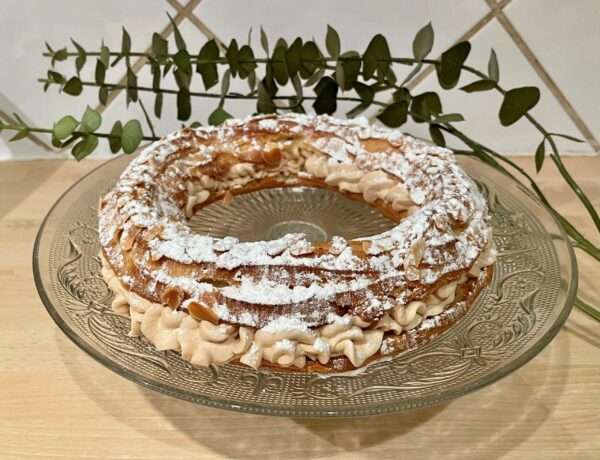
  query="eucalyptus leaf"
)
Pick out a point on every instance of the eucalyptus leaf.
point(218, 116)
point(59, 55)
point(54, 141)
point(264, 41)
point(252, 81)
point(540, 154)
point(91, 120)
point(517, 102)
point(179, 41)
point(158, 104)
point(160, 47)
point(182, 79)
point(449, 118)
point(233, 57)
point(131, 136)
point(197, 124)
point(100, 73)
point(339, 74)
point(326, 91)
point(125, 47)
point(394, 115)
point(56, 77)
point(297, 84)
point(332, 42)
point(84, 147)
point(103, 95)
point(437, 136)
point(125, 43)
point(168, 66)
point(479, 85)
point(264, 103)
point(246, 61)
point(310, 60)
point(281, 42)
point(293, 57)
point(315, 78)
point(423, 42)
point(376, 58)
point(225, 82)
point(81, 56)
point(73, 87)
point(390, 76)
point(132, 92)
point(116, 133)
point(184, 104)
point(64, 127)
point(351, 62)
point(365, 92)
point(415, 70)
point(493, 69)
point(155, 70)
point(451, 62)
point(296, 105)
point(279, 64)
point(104, 55)
point(269, 85)
point(425, 105)
point(208, 70)
point(401, 94)
point(183, 62)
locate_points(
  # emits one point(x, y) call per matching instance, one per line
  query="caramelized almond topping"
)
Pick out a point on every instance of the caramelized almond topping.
point(202, 312)
point(251, 156)
point(128, 237)
point(272, 158)
point(172, 297)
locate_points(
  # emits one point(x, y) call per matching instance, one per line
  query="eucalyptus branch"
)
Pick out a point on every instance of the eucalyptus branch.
point(329, 75)
point(481, 151)
point(587, 308)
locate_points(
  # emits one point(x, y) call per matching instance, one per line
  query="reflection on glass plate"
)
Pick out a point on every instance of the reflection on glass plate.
point(527, 302)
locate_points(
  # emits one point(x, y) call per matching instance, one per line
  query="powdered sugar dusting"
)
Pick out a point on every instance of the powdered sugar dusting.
point(447, 232)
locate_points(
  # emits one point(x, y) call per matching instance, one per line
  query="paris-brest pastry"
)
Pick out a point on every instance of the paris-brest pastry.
point(293, 303)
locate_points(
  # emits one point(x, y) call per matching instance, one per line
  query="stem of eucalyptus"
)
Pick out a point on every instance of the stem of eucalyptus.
point(149, 89)
point(34, 129)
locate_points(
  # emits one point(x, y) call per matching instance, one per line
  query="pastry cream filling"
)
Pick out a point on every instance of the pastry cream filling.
point(345, 176)
point(446, 231)
point(284, 341)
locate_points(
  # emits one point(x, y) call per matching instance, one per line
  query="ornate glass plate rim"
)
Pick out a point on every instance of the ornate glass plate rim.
point(264, 382)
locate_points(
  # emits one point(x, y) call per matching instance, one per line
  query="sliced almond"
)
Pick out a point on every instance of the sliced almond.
point(251, 156)
point(202, 312)
point(172, 297)
point(272, 157)
point(128, 237)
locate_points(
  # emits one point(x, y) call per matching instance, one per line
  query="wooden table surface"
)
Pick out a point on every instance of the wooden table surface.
point(56, 402)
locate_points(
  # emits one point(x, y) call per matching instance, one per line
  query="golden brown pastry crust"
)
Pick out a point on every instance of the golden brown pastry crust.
point(442, 231)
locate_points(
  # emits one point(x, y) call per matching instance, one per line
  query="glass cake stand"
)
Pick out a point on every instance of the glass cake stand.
point(513, 319)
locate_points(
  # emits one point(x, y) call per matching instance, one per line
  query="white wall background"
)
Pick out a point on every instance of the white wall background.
point(552, 44)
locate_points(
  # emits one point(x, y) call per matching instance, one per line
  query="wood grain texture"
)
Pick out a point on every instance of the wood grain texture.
point(58, 403)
